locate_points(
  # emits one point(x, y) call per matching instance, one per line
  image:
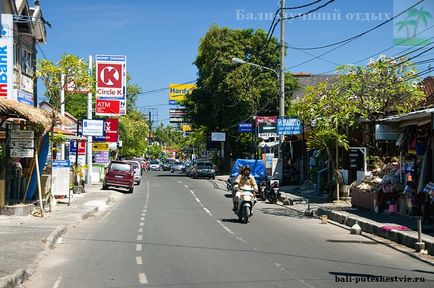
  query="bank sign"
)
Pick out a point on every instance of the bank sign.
point(111, 76)
point(6, 57)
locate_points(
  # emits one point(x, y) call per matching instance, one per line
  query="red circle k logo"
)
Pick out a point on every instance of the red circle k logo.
point(110, 75)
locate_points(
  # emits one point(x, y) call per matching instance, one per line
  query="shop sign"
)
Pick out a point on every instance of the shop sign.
point(93, 127)
point(23, 97)
point(103, 146)
point(245, 127)
point(218, 136)
point(111, 76)
point(102, 157)
point(289, 126)
point(178, 92)
point(18, 152)
point(387, 132)
point(22, 134)
point(266, 126)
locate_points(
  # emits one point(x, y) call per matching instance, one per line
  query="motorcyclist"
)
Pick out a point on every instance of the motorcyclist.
point(243, 179)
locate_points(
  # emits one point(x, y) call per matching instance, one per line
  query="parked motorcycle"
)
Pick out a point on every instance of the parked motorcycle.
point(262, 190)
point(246, 200)
point(272, 192)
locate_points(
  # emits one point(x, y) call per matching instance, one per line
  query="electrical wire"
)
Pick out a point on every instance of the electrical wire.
point(302, 6)
point(360, 34)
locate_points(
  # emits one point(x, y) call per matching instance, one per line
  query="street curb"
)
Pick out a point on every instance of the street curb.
point(19, 276)
point(400, 237)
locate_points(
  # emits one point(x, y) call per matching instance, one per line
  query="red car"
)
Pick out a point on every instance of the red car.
point(119, 174)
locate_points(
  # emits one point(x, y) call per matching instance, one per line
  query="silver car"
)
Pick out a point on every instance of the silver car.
point(155, 165)
point(137, 171)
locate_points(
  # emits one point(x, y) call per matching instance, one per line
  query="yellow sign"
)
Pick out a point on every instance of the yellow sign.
point(178, 92)
point(186, 128)
point(103, 146)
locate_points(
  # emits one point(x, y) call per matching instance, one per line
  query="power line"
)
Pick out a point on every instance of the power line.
point(360, 34)
point(302, 6)
point(165, 88)
point(389, 48)
point(301, 15)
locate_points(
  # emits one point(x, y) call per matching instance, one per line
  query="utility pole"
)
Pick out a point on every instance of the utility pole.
point(282, 84)
point(89, 138)
point(62, 112)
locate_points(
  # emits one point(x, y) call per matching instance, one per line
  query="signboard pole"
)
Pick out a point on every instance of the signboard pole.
point(89, 138)
point(62, 112)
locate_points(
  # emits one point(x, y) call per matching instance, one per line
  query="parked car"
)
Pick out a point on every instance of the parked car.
point(167, 164)
point(137, 171)
point(203, 169)
point(178, 166)
point(154, 165)
point(119, 174)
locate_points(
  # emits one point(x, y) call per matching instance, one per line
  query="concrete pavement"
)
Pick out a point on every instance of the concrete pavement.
point(26, 239)
point(343, 213)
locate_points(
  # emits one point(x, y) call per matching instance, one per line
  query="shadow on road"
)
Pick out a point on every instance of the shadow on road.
point(352, 241)
point(277, 211)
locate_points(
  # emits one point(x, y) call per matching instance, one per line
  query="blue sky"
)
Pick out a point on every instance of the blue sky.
point(161, 37)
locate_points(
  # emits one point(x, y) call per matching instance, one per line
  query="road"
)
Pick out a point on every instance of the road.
point(174, 231)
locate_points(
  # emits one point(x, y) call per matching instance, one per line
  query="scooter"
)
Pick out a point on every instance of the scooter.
point(272, 190)
point(262, 190)
point(246, 200)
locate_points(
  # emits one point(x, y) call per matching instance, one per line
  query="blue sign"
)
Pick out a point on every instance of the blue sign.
point(61, 163)
point(72, 147)
point(245, 128)
point(289, 126)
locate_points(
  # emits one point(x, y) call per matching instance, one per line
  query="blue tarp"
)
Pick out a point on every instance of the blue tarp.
point(257, 166)
point(43, 153)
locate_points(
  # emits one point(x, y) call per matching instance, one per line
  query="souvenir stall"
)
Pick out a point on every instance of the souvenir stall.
point(415, 173)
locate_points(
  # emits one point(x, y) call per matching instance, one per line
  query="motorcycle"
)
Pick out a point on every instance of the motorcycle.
point(246, 200)
point(229, 185)
point(262, 190)
point(272, 192)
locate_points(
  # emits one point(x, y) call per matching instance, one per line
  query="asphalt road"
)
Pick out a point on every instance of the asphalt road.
point(178, 232)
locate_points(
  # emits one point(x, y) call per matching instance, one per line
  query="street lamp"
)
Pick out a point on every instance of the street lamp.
point(281, 77)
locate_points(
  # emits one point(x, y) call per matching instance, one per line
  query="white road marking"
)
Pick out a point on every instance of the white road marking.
point(140, 230)
point(139, 237)
point(138, 247)
point(207, 211)
point(58, 281)
point(139, 261)
point(143, 214)
point(142, 218)
point(141, 223)
point(143, 279)
point(180, 182)
point(186, 186)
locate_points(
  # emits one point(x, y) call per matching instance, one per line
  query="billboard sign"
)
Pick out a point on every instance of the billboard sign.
point(93, 127)
point(23, 96)
point(81, 147)
point(111, 76)
point(178, 92)
point(218, 136)
point(266, 126)
point(6, 57)
point(387, 132)
point(289, 126)
point(105, 107)
point(245, 127)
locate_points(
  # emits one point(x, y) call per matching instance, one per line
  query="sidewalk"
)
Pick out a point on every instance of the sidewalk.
point(26, 239)
point(343, 213)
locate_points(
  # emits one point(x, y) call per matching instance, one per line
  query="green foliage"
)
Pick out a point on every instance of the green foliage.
point(133, 131)
point(169, 136)
point(154, 151)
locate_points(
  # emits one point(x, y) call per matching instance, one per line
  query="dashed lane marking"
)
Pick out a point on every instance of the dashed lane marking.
point(141, 223)
point(140, 230)
point(143, 279)
point(138, 247)
point(139, 261)
point(139, 237)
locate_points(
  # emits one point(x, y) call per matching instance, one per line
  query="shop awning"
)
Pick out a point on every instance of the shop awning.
point(420, 117)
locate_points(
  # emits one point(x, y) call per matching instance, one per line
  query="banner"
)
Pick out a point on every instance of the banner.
point(178, 92)
point(289, 126)
point(6, 57)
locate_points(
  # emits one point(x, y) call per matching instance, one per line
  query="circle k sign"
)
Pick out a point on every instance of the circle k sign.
point(110, 75)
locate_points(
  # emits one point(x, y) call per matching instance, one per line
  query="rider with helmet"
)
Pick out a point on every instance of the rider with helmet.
point(244, 179)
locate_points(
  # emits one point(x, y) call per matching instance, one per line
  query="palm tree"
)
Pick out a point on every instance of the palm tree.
point(406, 24)
point(419, 14)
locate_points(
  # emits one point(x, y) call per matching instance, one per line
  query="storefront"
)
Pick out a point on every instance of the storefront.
point(403, 182)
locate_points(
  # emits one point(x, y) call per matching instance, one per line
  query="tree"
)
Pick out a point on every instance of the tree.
point(368, 93)
point(133, 131)
point(227, 93)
